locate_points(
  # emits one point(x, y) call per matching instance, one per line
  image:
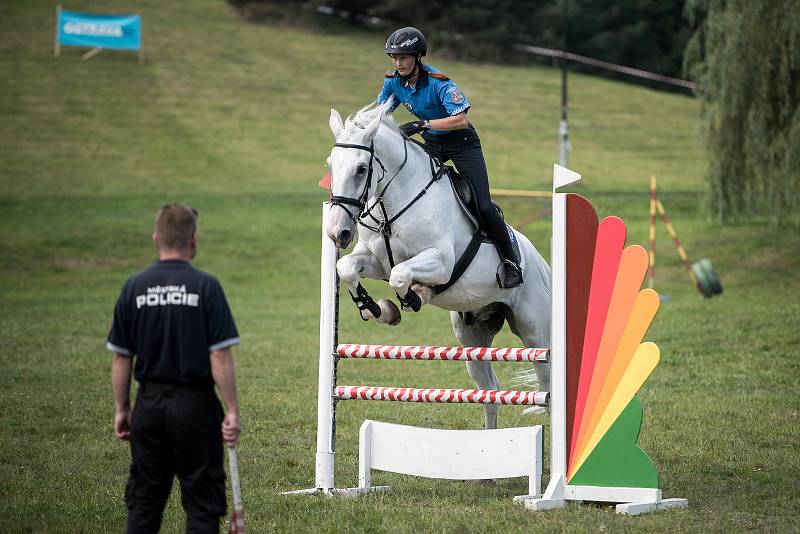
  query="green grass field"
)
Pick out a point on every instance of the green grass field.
point(232, 118)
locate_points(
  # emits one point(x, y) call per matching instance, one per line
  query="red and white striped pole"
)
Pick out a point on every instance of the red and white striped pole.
point(442, 395)
point(461, 354)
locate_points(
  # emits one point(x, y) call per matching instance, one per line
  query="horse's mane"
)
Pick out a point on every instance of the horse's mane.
point(366, 115)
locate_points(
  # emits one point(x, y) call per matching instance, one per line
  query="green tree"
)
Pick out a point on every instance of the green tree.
point(745, 59)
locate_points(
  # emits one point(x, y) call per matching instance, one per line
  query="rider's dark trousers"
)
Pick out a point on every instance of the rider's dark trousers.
point(463, 148)
point(175, 431)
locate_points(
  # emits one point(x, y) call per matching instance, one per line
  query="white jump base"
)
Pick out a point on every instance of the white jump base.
point(450, 454)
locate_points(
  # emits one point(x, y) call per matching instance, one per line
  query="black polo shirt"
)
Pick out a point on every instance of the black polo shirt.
point(170, 317)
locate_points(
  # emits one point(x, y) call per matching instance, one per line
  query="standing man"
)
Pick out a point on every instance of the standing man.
point(174, 321)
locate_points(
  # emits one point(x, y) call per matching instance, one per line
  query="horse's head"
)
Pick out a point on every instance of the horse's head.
point(352, 165)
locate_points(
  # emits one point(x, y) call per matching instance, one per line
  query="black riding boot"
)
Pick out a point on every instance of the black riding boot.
point(509, 274)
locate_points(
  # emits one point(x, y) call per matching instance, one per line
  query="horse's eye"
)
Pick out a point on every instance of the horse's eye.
point(361, 169)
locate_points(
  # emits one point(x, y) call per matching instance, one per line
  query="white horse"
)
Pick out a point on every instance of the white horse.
point(412, 231)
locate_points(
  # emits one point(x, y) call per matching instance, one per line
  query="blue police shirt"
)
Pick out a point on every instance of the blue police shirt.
point(429, 99)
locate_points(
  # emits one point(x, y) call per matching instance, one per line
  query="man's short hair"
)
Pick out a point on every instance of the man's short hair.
point(175, 225)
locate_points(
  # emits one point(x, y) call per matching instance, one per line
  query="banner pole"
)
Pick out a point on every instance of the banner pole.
point(91, 53)
point(141, 41)
point(56, 44)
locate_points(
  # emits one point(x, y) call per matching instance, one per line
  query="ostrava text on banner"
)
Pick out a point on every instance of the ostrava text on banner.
point(100, 31)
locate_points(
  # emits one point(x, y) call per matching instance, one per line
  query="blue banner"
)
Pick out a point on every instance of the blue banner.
point(103, 31)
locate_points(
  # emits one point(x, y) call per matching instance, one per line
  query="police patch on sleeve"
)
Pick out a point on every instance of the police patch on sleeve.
point(456, 96)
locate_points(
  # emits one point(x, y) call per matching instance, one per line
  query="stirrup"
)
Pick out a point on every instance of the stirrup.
point(511, 274)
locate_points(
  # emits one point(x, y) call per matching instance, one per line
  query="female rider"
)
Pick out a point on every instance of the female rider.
point(442, 109)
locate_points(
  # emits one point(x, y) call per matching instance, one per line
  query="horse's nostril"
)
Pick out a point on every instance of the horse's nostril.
point(344, 236)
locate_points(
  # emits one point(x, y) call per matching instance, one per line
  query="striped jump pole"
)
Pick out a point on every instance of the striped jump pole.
point(442, 395)
point(655, 204)
point(460, 354)
point(678, 246)
point(652, 252)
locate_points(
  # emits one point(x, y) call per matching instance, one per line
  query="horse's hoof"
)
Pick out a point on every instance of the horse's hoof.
point(390, 314)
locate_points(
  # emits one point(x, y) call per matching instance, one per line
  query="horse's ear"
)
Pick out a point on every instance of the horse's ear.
point(336, 123)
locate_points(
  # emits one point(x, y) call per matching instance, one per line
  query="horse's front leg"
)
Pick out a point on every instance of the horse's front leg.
point(412, 278)
point(361, 262)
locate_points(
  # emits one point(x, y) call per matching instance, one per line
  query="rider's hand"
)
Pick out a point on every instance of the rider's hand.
point(410, 128)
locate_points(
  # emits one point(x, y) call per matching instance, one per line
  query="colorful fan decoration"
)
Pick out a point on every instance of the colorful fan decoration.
point(607, 362)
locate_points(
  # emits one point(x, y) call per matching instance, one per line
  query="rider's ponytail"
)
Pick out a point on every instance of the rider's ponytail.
point(438, 75)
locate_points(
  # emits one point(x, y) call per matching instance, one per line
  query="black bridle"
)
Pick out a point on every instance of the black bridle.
point(381, 225)
point(361, 201)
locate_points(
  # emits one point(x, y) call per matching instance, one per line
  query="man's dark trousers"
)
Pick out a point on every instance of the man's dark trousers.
point(175, 431)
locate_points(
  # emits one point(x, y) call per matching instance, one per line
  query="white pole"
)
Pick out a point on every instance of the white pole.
point(563, 142)
point(558, 341)
point(554, 495)
point(233, 462)
point(326, 425)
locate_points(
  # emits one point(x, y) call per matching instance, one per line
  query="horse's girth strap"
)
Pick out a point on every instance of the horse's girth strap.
point(462, 263)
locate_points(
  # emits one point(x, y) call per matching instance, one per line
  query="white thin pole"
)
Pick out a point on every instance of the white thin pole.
point(233, 463)
point(558, 349)
point(558, 380)
point(326, 425)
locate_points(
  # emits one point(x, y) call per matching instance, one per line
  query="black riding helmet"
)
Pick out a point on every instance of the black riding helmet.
point(406, 41)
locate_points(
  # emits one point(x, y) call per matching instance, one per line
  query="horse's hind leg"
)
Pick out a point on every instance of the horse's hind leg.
point(479, 333)
point(531, 323)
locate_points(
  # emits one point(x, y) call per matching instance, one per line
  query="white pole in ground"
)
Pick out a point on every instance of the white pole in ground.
point(558, 349)
point(554, 494)
point(326, 423)
point(328, 333)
